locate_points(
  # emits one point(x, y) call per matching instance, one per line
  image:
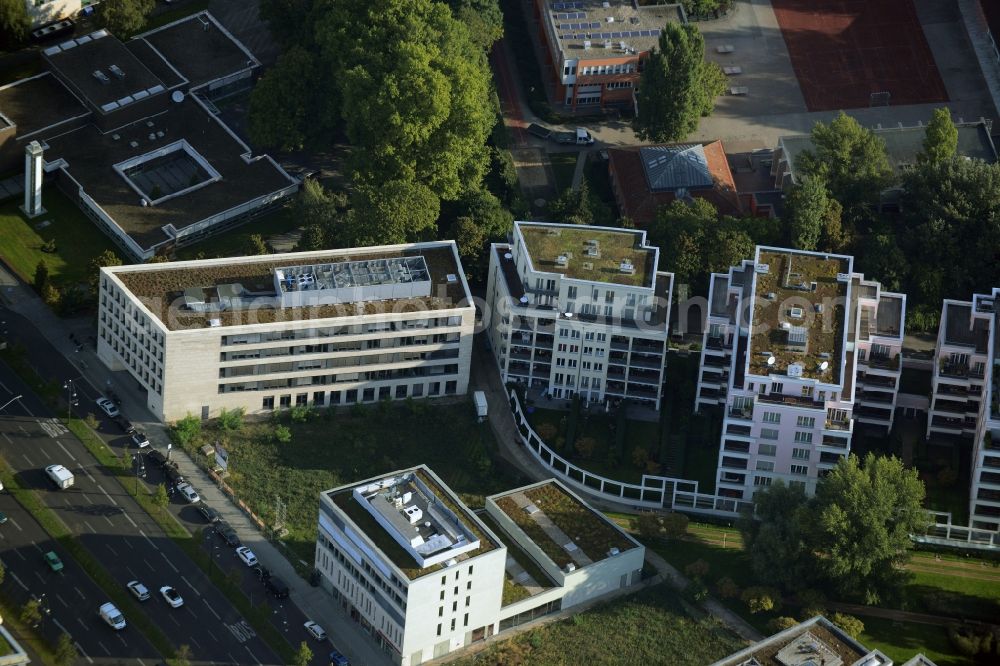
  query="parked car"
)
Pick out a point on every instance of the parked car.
point(277, 587)
point(140, 440)
point(262, 572)
point(108, 407)
point(210, 514)
point(156, 458)
point(125, 425)
point(53, 561)
point(138, 590)
point(247, 556)
point(171, 596)
point(317, 631)
point(188, 492)
point(3, 517)
point(227, 533)
point(337, 659)
point(173, 476)
point(110, 614)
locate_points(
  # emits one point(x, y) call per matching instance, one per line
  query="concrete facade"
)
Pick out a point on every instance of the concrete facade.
point(965, 399)
point(197, 361)
point(791, 408)
point(564, 329)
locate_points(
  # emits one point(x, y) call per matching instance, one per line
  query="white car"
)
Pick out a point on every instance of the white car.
point(247, 556)
point(171, 596)
point(107, 407)
point(110, 614)
point(138, 590)
point(189, 493)
point(140, 440)
point(316, 630)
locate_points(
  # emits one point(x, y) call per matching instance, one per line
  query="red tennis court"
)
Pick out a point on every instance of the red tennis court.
point(846, 52)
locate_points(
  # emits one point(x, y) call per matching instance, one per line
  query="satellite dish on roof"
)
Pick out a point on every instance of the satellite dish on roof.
point(824, 365)
point(177, 96)
point(771, 360)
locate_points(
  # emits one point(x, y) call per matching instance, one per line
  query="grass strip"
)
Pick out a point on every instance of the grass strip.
point(48, 519)
point(25, 635)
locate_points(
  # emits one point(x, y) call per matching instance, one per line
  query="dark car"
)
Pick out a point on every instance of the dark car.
point(156, 458)
point(227, 533)
point(263, 573)
point(277, 587)
point(337, 659)
point(125, 425)
point(210, 514)
point(173, 476)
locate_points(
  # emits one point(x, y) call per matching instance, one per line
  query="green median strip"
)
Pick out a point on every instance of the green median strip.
point(57, 529)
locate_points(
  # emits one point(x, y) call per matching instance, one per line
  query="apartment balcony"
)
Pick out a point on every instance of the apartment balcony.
point(879, 381)
point(719, 343)
point(644, 377)
point(793, 400)
point(716, 378)
point(883, 361)
point(646, 347)
point(876, 413)
point(988, 495)
point(616, 387)
point(951, 406)
point(838, 442)
point(541, 369)
point(543, 341)
point(615, 372)
point(947, 424)
point(837, 425)
point(639, 391)
point(710, 394)
point(716, 361)
point(733, 478)
point(620, 358)
point(954, 370)
point(741, 413)
point(619, 346)
point(729, 462)
point(992, 478)
point(736, 446)
point(991, 462)
point(520, 354)
point(646, 362)
point(875, 396)
point(827, 458)
point(952, 390)
point(739, 430)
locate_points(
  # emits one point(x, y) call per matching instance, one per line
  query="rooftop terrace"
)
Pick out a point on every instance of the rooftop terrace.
point(584, 28)
point(582, 252)
point(165, 288)
point(810, 643)
point(964, 330)
point(566, 529)
point(799, 314)
point(445, 528)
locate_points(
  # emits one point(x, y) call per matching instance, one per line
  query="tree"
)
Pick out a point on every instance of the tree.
point(187, 429)
point(182, 656)
point(418, 108)
point(41, 276)
point(65, 652)
point(806, 208)
point(940, 138)
point(396, 212)
point(256, 245)
point(850, 159)
point(483, 19)
point(773, 536)
point(288, 20)
point(282, 434)
point(860, 524)
point(761, 599)
point(678, 86)
point(231, 420)
point(470, 240)
point(160, 497)
point(781, 623)
point(105, 259)
point(313, 238)
point(124, 18)
point(31, 612)
point(727, 588)
point(662, 526)
point(851, 625)
point(14, 22)
point(303, 656)
point(572, 206)
point(585, 447)
point(883, 258)
point(283, 103)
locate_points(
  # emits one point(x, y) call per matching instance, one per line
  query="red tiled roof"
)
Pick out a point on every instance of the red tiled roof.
point(638, 203)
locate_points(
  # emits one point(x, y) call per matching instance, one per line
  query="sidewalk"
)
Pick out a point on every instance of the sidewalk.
point(312, 601)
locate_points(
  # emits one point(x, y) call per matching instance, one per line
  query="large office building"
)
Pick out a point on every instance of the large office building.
point(580, 310)
point(592, 49)
point(965, 400)
point(423, 575)
point(799, 349)
point(337, 327)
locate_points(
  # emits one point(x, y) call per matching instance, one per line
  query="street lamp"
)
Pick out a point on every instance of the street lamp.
point(140, 469)
point(71, 400)
point(4, 406)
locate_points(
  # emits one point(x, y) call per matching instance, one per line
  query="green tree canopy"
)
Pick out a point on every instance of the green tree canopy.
point(677, 86)
point(483, 18)
point(806, 209)
point(104, 259)
point(940, 138)
point(775, 534)
point(124, 18)
point(285, 107)
point(288, 20)
point(397, 212)
point(14, 22)
point(850, 158)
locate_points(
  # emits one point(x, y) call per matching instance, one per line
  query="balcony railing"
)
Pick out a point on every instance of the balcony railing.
point(742, 413)
point(884, 361)
point(838, 425)
point(959, 370)
point(795, 400)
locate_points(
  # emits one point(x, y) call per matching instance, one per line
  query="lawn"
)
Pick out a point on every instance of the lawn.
point(907, 639)
point(233, 243)
point(77, 239)
point(330, 449)
point(650, 627)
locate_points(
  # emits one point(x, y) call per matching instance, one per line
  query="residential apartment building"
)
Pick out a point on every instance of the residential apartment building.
point(593, 50)
point(424, 576)
point(965, 397)
point(798, 348)
point(42, 11)
point(337, 327)
point(580, 310)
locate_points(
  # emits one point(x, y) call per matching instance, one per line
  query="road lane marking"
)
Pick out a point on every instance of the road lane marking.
point(129, 545)
point(231, 657)
point(7, 437)
point(211, 610)
point(131, 573)
point(176, 621)
point(149, 540)
point(25, 456)
point(113, 552)
point(45, 453)
point(129, 519)
point(196, 590)
point(193, 640)
point(26, 433)
point(79, 592)
point(252, 655)
point(106, 493)
point(61, 600)
point(20, 554)
point(17, 580)
point(104, 648)
point(148, 564)
point(89, 526)
point(15, 524)
point(87, 497)
point(41, 578)
point(66, 451)
point(82, 624)
point(212, 634)
point(176, 570)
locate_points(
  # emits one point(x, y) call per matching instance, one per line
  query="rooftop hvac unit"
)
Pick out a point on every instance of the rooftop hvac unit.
point(570, 567)
point(626, 266)
point(610, 19)
point(586, 44)
point(795, 370)
point(562, 260)
point(763, 269)
point(117, 71)
point(614, 552)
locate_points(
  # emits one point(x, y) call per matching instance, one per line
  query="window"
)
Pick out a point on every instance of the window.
point(596, 384)
point(571, 292)
point(453, 624)
point(800, 485)
point(285, 401)
point(803, 437)
point(777, 387)
point(801, 470)
point(837, 415)
point(765, 466)
point(767, 449)
point(805, 422)
point(439, 630)
point(807, 391)
point(761, 480)
point(800, 454)
point(772, 417)
point(268, 403)
point(768, 433)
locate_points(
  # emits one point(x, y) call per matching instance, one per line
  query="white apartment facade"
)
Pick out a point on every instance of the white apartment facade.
point(42, 11)
point(580, 310)
point(336, 327)
point(965, 401)
point(798, 348)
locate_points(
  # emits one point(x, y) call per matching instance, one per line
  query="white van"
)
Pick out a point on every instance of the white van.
point(110, 614)
point(60, 476)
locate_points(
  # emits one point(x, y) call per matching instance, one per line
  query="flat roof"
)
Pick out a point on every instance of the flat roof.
point(800, 313)
point(39, 102)
point(565, 528)
point(815, 641)
point(961, 328)
point(609, 249)
point(165, 288)
point(583, 28)
point(889, 318)
point(91, 154)
point(101, 68)
point(199, 48)
point(371, 506)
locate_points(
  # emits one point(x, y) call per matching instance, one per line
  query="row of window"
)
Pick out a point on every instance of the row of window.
point(598, 70)
point(370, 394)
point(335, 331)
point(140, 366)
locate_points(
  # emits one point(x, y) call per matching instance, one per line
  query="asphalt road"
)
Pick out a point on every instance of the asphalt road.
point(113, 527)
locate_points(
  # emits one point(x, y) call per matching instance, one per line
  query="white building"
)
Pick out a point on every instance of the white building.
point(336, 327)
point(42, 11)
point(425, 576)
point(965, 404)
point(580, 310)
point(798, 348)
